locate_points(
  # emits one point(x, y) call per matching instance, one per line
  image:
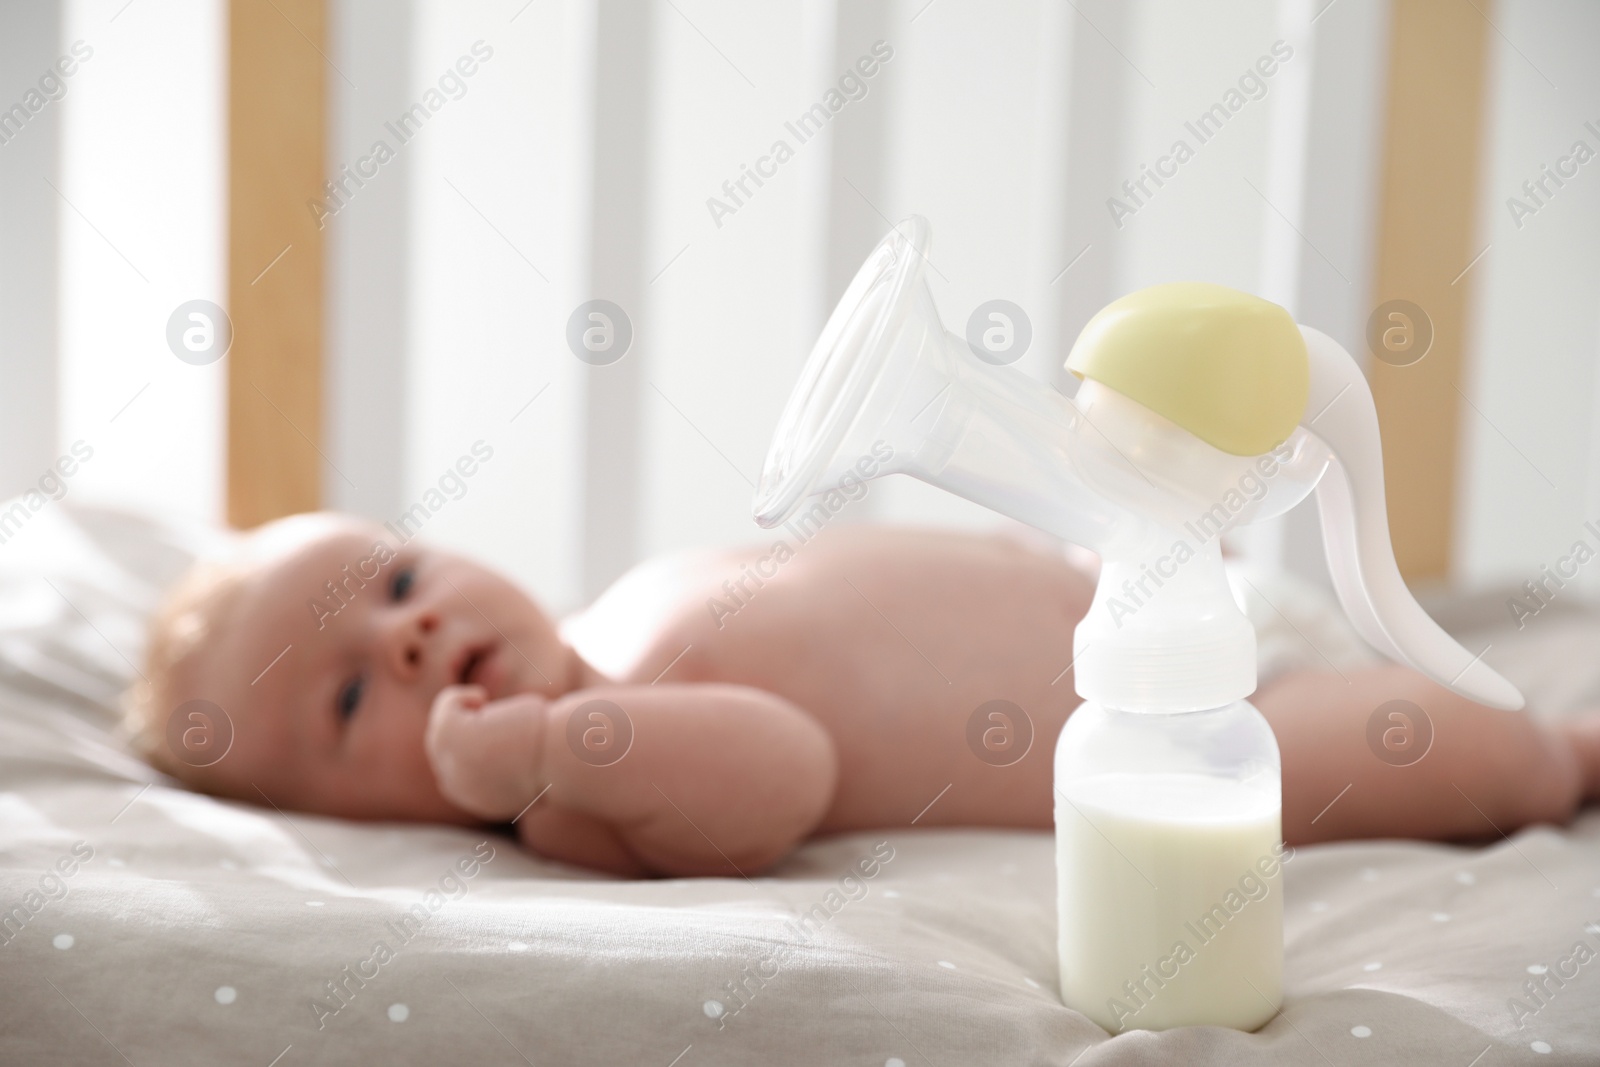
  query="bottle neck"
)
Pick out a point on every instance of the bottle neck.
point(1164, 633)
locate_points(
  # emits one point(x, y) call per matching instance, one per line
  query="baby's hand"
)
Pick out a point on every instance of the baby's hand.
point(486, 755)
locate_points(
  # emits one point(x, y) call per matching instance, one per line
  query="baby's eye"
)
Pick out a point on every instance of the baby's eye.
point(350, 698)
point(400, 584)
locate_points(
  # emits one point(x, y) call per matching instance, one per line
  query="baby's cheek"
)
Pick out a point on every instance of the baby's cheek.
point(406, 777)
point(398, 752)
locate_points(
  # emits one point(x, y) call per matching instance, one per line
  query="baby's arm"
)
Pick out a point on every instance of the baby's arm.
point(717, 779)
point(1486, 771)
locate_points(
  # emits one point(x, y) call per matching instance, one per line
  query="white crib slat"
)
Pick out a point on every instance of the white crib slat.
point(29, 149)
point(143, 164)
point(1087, 147)
point(369, 241)
point(1529, 474)
point(619, 81)
point(1341, 114)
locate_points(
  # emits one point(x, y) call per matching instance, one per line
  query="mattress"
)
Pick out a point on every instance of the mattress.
point(142, 923)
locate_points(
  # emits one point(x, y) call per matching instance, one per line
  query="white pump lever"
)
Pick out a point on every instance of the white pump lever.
point(1355, 529)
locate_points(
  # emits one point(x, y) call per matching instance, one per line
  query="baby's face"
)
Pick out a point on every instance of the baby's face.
point(336, 724)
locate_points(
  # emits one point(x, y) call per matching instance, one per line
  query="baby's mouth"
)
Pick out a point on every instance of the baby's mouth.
point(470, 671)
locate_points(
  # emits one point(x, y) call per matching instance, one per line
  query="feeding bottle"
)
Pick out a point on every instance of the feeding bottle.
point(1199, 408)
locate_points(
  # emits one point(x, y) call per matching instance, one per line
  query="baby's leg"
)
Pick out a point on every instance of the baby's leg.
point(1485, 773)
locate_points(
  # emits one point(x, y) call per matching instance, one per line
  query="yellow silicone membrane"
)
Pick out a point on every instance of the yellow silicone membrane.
point(1228, 367)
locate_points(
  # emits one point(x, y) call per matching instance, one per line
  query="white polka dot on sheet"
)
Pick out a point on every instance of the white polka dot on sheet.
point(399, 1013)
point(226, 994)
point(1541, 1047)
point(517, 946)
point(713, 1009)
point(947, 965)
point(1373, 966)
point(1466, 877)
point(1537, 968)
point(1440, 917)
point(1361, 1031)
point(63, 941)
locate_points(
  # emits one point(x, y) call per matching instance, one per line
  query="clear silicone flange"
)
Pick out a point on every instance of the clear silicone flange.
point(844, 365)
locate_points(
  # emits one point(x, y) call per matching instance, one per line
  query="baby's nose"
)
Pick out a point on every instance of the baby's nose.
point(411, 648)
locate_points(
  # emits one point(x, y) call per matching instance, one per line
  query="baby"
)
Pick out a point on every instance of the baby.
point(672, 728)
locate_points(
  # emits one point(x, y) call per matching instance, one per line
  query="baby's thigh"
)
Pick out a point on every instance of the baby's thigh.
point(1384, 752)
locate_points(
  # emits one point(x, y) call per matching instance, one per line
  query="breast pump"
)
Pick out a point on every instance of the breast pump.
point(1200, 408)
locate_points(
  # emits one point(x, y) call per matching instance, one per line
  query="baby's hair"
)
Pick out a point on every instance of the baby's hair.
point(194, 609)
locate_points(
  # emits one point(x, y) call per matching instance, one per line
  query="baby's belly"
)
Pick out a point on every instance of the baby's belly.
point(937, 662)
point(967, 757)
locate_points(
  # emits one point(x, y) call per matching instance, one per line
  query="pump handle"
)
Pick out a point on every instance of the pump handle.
point(1355, 530)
